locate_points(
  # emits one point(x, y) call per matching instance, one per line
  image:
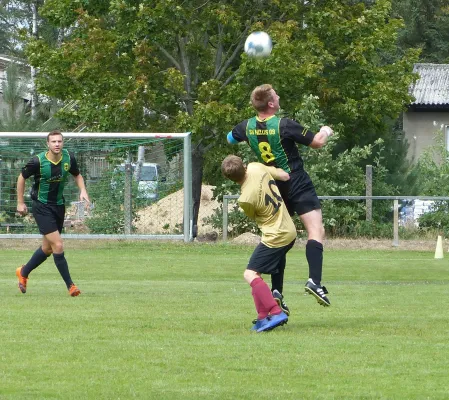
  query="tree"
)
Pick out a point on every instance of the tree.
point(426, 26)
point(134, 65)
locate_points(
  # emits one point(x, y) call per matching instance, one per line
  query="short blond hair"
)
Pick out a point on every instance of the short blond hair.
point(260, 97)
point(233, 168)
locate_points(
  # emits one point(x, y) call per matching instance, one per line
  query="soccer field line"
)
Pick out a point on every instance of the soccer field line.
point(430, 258)
point(384, 283)
point(228, 282)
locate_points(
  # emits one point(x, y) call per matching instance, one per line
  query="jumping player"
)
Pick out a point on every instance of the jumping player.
point(274, 141)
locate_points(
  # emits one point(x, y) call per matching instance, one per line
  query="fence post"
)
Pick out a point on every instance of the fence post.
point(1, 182)
point(396, 223)
point(225, 218)
point(127, 200)
point(369, 192)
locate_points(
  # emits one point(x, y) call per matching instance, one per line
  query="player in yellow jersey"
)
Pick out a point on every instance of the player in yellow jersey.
point(261, 201)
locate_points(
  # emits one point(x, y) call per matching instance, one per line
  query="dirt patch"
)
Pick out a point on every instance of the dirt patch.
point(245, 239)
point(382, 244)
point(354, 244)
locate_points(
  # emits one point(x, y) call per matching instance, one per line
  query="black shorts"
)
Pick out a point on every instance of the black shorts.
point(49, 217)
point(265, 260)
point(299, 194)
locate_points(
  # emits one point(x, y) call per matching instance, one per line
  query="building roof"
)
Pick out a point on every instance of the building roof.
point(432, 88)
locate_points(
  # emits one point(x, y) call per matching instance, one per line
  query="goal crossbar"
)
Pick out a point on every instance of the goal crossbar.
point(97, 135)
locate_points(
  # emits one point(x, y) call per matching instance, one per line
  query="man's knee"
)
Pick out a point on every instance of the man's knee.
point(57, 247)
point(249, 275)
point(46, 248)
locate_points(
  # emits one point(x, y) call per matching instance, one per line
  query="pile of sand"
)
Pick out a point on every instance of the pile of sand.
point(166, 215)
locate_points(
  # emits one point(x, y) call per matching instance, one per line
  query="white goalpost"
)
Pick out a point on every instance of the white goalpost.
point(140, 185)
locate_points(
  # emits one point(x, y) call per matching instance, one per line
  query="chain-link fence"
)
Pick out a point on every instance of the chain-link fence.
point(406, 211)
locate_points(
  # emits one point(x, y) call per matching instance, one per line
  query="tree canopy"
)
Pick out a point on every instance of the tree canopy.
point(170, 65)
point(129, 63)
point(426, 26)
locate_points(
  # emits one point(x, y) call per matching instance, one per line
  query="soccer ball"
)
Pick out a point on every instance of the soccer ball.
point(258, 44)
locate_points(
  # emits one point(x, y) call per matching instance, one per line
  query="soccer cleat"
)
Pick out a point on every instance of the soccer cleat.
point(272, 321)
point(280, 300)
point(257, 323)
point(319, 292)
point(22, 280)
point(73, 290)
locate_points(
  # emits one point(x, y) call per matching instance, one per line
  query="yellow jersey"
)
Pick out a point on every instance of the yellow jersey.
point(261, 201)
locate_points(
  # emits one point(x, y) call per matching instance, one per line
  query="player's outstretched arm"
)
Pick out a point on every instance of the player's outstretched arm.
point(321, 137)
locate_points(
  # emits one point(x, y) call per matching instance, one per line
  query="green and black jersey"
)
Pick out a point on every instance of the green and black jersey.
point(50, 177)
point(274, 141)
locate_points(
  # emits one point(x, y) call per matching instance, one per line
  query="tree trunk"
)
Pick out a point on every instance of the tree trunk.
point(197, 179)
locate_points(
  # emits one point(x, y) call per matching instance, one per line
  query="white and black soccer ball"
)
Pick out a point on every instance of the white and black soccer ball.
point(258, 44)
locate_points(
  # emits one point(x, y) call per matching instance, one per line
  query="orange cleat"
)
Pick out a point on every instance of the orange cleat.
point(74, 291)
point(22, 280)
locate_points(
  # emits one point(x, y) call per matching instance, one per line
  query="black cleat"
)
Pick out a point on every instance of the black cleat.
point(281, 303)
point(319, 292)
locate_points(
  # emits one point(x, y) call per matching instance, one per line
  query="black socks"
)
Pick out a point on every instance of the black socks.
point(63, 268)
point(36, 259)
point(277, 279)
point(314, 255)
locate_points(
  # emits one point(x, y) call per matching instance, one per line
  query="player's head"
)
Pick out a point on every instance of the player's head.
point(55, 141)
point(233, 168)
point(56, 132)
point(265, 98)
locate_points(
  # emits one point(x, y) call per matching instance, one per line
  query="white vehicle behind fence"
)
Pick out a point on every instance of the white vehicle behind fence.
point(148, 178)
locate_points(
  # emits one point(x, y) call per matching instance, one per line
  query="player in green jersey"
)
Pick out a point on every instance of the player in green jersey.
point(274, 140)
point(50, 169)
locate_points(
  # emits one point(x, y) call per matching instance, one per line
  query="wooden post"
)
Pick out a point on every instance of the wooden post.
point(128, 198)
point(396, 223)
point(369, 192)
point(225, 219)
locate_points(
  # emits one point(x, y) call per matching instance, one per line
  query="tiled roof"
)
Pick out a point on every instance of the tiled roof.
point(432, 88)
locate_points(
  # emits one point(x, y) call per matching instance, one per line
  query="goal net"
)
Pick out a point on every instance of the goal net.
point(139, 184)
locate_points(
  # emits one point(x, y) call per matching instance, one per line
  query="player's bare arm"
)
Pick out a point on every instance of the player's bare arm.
point(282, 175)
point(278, 173)
point(21, 206)
point(321, 137)
point(79, 180)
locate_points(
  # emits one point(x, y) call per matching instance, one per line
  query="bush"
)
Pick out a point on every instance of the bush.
point(108, 198)
point(437, 219)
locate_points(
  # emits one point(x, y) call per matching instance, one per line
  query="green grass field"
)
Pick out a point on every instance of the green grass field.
point(171, 321)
